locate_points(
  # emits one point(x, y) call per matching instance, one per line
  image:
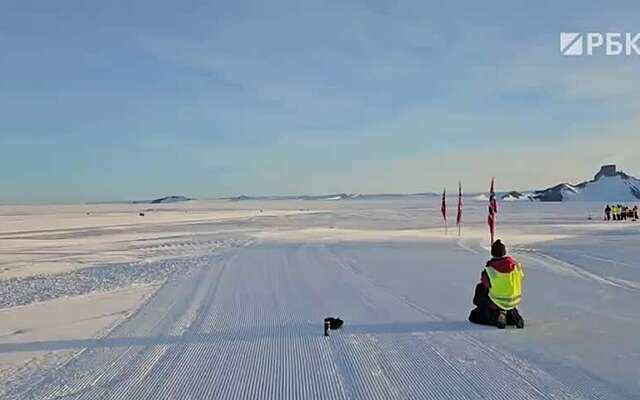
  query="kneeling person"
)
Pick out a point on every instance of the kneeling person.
point(499, 291)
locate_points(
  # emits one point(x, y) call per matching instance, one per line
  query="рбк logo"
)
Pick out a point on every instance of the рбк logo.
point(609, 43)
point(571, 44)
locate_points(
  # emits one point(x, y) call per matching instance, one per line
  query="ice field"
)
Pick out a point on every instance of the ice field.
point(225, 300)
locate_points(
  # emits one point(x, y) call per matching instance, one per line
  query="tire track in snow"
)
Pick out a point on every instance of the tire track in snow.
point(543, 386)
point(557, 265)
point(279, 362)
point(80, 376)
point(133, 385)
point(256, 332)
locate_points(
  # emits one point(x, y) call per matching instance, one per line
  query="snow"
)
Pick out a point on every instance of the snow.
point(56, 239)
point(243, 287)
point(61, 319)
point(512, 198)
point(37, 288)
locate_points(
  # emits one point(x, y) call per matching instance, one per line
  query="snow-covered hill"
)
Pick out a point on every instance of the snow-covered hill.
point(170, 199)
point(162, 200)
point(335, 197)
point(515, 196)
point(607, 185)
point(608, 188)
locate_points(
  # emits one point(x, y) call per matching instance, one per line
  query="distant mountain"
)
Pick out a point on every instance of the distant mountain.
point(240, 198)
point(514, 196)
point(167, 199)
point(505, 196)
point(334, 197)
point(609, 184)
point(556, 193)
point(163, 200)
point(331, 197)
point(170, 199)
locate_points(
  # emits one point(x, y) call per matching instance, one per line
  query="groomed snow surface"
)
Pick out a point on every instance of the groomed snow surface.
point(230, 305)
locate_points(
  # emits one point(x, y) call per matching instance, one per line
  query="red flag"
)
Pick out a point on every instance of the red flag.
point(443, 208)
point(459, 216)
point(493, 211)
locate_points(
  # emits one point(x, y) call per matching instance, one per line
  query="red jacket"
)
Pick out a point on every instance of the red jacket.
point(503, 265)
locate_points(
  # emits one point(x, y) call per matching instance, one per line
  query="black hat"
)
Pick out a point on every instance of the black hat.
point(498, 249)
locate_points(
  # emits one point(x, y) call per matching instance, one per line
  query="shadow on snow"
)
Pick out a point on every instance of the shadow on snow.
point(289, 331)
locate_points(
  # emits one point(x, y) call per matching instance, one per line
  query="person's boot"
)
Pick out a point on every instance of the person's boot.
point(518, 321)
point(502, 320)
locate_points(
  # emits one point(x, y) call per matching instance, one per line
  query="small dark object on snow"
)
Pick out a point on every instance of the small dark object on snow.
point(332, 323)
point(141, 214)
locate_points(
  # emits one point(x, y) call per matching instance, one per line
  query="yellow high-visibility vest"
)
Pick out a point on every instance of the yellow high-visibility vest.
point(506, 288)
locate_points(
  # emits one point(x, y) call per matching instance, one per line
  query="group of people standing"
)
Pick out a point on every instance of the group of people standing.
point(619, 212)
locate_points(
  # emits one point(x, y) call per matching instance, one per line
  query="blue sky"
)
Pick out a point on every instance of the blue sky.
point(126, 100)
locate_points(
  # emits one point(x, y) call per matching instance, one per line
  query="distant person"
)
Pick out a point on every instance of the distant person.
point(635, 213)
point(607, 213)
point(499, 291)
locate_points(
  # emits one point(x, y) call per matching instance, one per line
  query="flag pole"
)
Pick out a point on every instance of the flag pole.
point(443, 209)
point(459, 214)
point(493, 211)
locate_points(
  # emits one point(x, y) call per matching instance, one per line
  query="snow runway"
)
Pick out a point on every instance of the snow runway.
point(248, 324)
